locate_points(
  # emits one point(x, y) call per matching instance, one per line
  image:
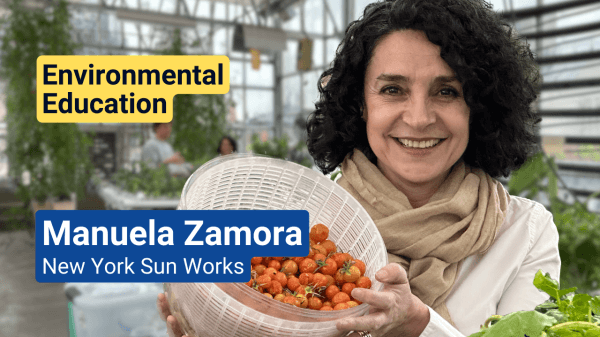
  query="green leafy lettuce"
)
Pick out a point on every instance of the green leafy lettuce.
point(565, 314)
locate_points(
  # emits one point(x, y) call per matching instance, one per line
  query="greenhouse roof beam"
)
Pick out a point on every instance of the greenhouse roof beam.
point(150, 50)
point(570, 84)
point(529, 12)
point(563, 31)
point(569, 57)
point(174, 20)
point(569, 113)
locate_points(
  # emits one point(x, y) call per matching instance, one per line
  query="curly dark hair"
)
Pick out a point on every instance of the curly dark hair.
point(495, 67)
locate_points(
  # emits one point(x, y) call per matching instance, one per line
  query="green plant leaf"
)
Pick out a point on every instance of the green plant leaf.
point(546, 284)
point(521, 323)
point(595, 305)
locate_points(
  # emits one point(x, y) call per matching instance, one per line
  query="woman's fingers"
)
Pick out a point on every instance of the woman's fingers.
point(369, 322)
point(393, 273)
point(163, 306)
point(378, 299)
point(173, 327)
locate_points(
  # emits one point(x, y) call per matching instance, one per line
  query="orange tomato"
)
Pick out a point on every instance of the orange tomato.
point(274, 264)
point(308, 266)
point(319, 280)
point(290, 300)
point(293, 282)
point(326, 308)
point(306, 278)
point(352, 304)
point(319, 233)
point(260, 268)
point(351, 274)
point(319, 257)
point(275, 288)
point(319, 250)
point(347, 288)
point(256, 260)
point(330, 280)
point(340, 297)
point(331, 291)
point(281, 278)
point(264, 281)
point(361, 266)
point(341, 306)
point(329, 246)
point(341, 258)
point(315, 303)
point(328, 267)
point(339, 277)
point(271, 272)
point(363, 282)
point(289, 267)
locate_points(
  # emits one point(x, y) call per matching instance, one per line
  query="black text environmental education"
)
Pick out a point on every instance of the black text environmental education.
point(126, 102)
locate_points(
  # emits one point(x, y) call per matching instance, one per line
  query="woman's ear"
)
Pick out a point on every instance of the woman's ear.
point(363, 112)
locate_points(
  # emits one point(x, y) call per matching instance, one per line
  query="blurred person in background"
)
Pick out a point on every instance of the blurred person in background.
point(158, 151)
point(227, 145)
point(426, 103)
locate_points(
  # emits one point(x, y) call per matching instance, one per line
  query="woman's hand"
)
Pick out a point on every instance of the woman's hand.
point(173, 327)
point(395, 311)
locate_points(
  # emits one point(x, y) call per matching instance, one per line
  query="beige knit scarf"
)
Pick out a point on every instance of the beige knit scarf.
point(461, 219)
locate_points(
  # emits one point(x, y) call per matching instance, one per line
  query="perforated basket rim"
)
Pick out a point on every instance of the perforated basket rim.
point(213, 164)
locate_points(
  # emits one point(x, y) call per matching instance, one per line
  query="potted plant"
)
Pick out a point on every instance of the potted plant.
point(55, 157)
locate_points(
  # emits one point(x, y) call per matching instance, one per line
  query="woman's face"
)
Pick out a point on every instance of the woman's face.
point(417, 118)
point(226, 147)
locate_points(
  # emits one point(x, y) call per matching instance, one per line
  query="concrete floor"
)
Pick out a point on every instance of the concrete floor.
point(28, 308)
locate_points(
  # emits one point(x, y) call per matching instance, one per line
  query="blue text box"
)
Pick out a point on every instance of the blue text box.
point(163, 246)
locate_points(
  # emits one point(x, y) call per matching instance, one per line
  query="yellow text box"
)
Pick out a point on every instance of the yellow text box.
point(123, 89)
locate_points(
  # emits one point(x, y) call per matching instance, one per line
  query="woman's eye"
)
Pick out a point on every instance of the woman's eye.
point(390, 90)
point(449, 92)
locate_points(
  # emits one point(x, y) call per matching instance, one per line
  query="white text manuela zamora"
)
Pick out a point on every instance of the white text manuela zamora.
point(212, 236)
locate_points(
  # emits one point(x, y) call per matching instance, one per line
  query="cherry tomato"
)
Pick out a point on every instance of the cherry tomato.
point(363, 282)
point(308, 266)
point(341, 306)
point(347, 288)
point(331, 291)
point(289, 267)
point(319, 233)
point(340, 297)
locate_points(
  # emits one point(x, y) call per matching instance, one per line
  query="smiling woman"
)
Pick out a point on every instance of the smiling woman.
point(425, 104)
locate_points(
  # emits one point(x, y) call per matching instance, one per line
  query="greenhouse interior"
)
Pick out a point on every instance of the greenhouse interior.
point(277, 51)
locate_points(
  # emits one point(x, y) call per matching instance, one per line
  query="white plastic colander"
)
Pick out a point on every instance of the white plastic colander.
point(244, 181)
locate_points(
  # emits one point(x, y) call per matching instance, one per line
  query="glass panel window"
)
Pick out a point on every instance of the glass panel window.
point(317, 52)
point(220, 41)
point(237, 97)
point(236, 72)
point(337, 9)
point(291, 95)
point(220, 10)
point(313, 16)
point(260, 106)
point(294, 23)
point(203, 9)
point(310, 91)
point(263, 77)
point(290, 61)
point(332, 45)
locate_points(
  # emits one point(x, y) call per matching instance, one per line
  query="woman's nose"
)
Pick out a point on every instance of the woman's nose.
point(419, 113)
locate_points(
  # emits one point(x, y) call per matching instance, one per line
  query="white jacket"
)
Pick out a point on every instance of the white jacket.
point(501, 281)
